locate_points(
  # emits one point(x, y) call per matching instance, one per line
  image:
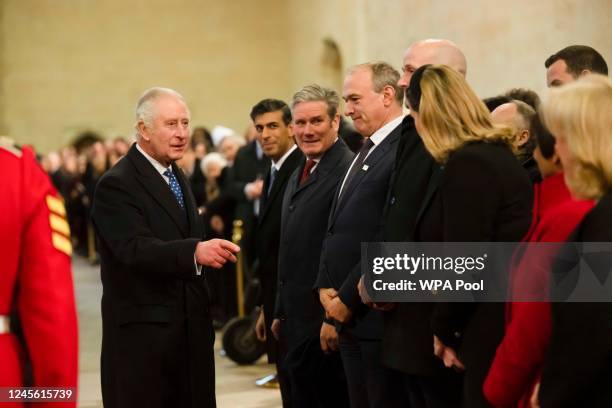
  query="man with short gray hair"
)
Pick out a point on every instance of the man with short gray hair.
point(157, 342)
point(372, 101)
point(313, 363)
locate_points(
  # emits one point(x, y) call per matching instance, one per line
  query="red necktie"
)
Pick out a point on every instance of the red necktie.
point(309, 165)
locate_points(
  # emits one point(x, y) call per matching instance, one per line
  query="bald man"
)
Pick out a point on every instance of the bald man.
point(517, 115)
point(408, 339)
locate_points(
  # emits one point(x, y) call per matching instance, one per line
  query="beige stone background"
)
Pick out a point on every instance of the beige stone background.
point(72, 65)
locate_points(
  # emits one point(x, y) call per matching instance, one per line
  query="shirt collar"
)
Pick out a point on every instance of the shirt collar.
point(157, 165)
point(280, 161)
point(380, 135)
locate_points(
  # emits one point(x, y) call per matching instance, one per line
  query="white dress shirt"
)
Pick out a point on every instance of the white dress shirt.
point(376, 138)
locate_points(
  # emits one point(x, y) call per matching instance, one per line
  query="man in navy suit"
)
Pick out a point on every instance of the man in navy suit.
point(272, 119)
point(313, 363)
point(374, 102)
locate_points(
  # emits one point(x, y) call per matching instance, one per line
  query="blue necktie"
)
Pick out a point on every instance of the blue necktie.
point(273, 172)
point(175, 187)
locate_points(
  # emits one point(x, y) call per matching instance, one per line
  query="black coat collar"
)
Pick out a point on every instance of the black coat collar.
point(328, 162)
point(159, 190)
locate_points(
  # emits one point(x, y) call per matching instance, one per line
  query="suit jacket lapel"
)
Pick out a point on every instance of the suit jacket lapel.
point(157, 187)
point(327, 163)
point(264, 196)
point(370, 162)
point(279, 181)
point(407, 135)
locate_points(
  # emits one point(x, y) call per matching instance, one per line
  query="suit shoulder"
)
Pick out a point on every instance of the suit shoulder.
point(471, 162)
point(294, 159)
point(116, 174)
point(481, 154)
point(246, 150)
point(484, 150)
point(396, 133)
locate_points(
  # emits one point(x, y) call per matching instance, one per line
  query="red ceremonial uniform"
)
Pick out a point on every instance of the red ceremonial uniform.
point(35, 276)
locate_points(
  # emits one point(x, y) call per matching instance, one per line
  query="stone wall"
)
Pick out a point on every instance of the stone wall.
point(71, 65)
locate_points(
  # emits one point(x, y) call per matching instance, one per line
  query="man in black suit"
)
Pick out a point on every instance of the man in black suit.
point(408, 338)
point(272, 118)
point(317, 379)
point(157, 343)
point(374, 102)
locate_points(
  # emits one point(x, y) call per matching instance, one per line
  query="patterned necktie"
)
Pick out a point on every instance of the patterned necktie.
point(175, 187)
point(306, 173)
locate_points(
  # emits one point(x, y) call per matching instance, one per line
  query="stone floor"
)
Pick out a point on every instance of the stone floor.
point(235, 384)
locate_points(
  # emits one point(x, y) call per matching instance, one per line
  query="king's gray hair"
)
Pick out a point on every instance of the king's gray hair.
point(144, 108)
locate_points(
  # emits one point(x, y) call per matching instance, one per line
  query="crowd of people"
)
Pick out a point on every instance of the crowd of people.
point(219, 166)
point(309, 187)
point(456, 169)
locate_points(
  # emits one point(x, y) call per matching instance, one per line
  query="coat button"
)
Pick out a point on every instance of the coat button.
point(291, 208)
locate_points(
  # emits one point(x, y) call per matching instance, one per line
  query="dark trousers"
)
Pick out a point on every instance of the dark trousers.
point(317, 378)
point(370, 384)
point(321, 387)
point(442, 390)
point(281, 369)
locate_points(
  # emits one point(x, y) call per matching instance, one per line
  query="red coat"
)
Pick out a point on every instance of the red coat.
point(35, 254)
point(519, 357)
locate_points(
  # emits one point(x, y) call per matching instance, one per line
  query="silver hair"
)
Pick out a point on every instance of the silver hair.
point(212, 158)
point(316, 93)
point(239, 140)
point(145, 106)
point(383, 74)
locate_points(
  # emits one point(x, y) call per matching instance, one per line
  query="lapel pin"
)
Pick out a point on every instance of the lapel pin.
point(365, 167)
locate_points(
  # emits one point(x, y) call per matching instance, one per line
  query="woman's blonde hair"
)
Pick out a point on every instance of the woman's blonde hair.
point(581, 112)
point(450, 113)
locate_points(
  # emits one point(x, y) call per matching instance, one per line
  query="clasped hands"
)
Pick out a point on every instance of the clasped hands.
point(334, 308)
point(366, 300)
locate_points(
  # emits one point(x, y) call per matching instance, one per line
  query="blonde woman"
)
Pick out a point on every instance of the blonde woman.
point(578, 368)
point(483, 195)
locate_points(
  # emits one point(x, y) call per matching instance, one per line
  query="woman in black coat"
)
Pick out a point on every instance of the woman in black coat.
point(483, 195)
point(578, 367)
